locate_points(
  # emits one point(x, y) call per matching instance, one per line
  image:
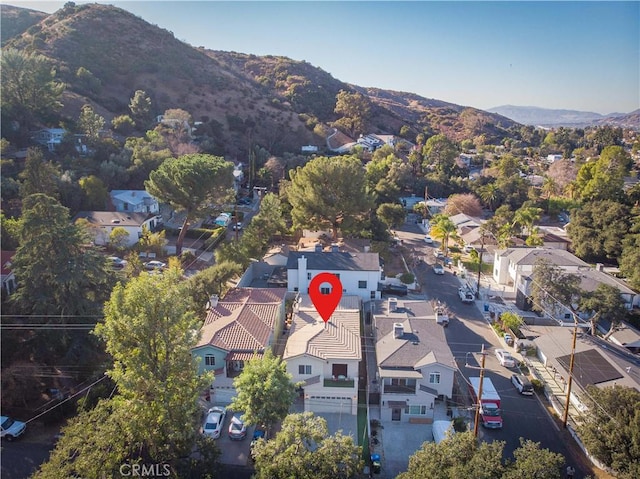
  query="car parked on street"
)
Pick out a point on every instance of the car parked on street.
point(212, 426)
point(438, 268)
point(505, 358)
point(11, 429)
point(438, 254)
point(397, 289)
point(154, 265)
point(237, 226)
point(116, 262)
point(522, 384)
point(237, 428)
point(428, 239)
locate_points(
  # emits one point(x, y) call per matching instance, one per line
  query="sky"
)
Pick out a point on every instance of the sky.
point(560, 55)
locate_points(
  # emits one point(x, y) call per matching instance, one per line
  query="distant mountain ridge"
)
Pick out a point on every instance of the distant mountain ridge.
point(536, 116)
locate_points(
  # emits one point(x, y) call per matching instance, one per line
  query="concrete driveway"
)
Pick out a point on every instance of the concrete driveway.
point(399, 441)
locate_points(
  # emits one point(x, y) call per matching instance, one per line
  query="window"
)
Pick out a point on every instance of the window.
point(309, 276)
point(373, 295)
point(434, 378)
point(325, 290)
point(362, 284)
point(304, 369)
point(416, 410)
point(209, 360)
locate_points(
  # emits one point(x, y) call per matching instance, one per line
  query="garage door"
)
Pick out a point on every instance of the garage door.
point(328, 404)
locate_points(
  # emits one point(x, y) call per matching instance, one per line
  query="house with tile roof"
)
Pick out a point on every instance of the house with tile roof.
point(102, 223)
point(134, 201)
point(415, 367)
point(325, 356)
point(359, 273)
point(237, 328)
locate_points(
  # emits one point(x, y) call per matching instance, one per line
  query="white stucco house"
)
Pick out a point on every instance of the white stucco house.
point(359, 273)
point(415, 365)
point(102, 223)
point(242, 325)
point(325, 356)
point(49, 137)
point(134, 201)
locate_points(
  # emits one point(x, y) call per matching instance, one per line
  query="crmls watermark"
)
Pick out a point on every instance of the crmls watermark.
point(145, 470)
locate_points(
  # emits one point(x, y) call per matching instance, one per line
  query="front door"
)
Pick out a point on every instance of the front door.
point(396, 413)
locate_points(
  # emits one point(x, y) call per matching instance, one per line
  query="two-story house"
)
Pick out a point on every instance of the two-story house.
point(359, 273)
point(134, 201)
point(102, 223)
point(326, 356)
point(415, 365)
point(237, 328)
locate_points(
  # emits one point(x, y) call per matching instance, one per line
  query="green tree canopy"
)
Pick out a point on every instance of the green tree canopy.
point(604, 303)
point(95, 192)
point(195, 184)
point(611, 430)
point(60, 273)
point(630, 257)
point(30, 92)
point(441, 153)
point(355, 110)
point(596, 230)
point(391, 214)
point(461, 455)
point(149, 331)
point(212, 280)
point(443, 229)
point(265, 390)
point(140, 108)
point(553, 289)
point(90, 123)
point(39, 176)
point(328, 192)
point(304, 449)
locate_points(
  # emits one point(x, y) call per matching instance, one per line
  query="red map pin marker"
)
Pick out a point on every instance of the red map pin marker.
point(325, 303)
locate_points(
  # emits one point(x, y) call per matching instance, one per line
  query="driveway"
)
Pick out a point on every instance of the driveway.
point(399, 441)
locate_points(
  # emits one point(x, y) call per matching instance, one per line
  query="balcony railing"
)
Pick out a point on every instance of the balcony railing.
point(339, 383)
point(394, 389)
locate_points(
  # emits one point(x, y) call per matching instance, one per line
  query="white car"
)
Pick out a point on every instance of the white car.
point(213, 422)
point(505, 358)
point(155, 264)
point(438, 268)
point(10, 428)
point(237, 226)
point(428, 239)
point(237, 428)
point(522, 384)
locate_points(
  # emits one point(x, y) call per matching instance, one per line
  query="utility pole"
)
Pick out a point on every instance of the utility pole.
point(567, 403)
point(479, 405)
point(480, 263)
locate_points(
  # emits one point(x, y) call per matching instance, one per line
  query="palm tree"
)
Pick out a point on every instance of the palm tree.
point(525, 217)
point(444, 229)
point(489, 194)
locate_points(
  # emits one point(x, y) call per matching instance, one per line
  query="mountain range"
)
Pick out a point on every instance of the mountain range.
point(531, 115)
point(243, 100)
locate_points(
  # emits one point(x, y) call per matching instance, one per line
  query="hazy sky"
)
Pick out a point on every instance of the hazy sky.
point(569, 55)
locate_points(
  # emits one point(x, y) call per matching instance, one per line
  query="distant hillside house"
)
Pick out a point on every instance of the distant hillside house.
point(8, 278)
point(309, 149)
point(359, 273)
point(50, 137)
point(103, 223)
point(237, 328)
point(134, 201)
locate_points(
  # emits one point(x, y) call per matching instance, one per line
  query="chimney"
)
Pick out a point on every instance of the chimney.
point(303, 282)
point(398, 330)
point(318, 248)
point(213, 301)
point(393, 305)
point(599, 267)
point(334, 248)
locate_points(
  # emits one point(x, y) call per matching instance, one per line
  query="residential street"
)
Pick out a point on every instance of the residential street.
point(524, 416)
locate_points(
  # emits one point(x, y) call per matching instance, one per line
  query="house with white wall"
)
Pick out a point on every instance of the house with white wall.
point(102, 223)
point(359, 273)
point(237, 328)
point(49, 137)
point(134, 201)
point(325, 356)
point(415, 365)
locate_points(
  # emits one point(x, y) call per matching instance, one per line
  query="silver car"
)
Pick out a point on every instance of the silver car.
point(212, 426)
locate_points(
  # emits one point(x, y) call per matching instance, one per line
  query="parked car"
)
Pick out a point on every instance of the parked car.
point(213, 422)
point(115, 262)
point(522, 384)
point(465, 295)
point(259, 433)
point(154, 265)
point(10, 429)
point(438, 254)
point(237, 226)
point(244, 201)
point(438, 268)
point(428, 239)
point(237, 428)
point(468, 249)
point(505, 358)
point(397, 289)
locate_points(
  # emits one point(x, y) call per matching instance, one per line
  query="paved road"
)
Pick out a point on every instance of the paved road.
point(21, 458)
point(523, 416)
